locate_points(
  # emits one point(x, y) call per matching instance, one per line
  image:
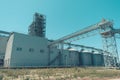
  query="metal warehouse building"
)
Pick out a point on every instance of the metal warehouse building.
point(24, 50)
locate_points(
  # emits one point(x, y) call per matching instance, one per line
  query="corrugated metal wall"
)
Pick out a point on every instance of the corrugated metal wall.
point(97, 60)
point(85, 59)
point(91, 59)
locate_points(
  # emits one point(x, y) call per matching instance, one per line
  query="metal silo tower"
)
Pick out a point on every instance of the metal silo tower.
point(37, 28)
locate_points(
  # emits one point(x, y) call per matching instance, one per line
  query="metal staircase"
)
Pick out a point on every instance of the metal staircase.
point(58, 57)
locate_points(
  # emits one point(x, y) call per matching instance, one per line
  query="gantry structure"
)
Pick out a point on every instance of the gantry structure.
point(108, 33)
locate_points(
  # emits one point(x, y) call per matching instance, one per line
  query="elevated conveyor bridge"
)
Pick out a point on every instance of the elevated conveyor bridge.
point(105, 29)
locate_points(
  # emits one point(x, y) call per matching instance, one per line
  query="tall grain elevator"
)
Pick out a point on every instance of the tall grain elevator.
point(38, 26)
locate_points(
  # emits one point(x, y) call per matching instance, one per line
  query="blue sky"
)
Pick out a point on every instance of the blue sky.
point(63, 16)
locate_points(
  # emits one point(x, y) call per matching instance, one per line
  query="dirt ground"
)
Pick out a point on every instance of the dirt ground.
point(60, 74)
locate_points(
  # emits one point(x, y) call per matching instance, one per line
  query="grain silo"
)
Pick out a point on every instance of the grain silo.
point(85, 59)
point(97, 59)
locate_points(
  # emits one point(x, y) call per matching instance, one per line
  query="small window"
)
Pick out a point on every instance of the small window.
point(19, 49)
point(41, 16)
point(35, 30)
point(31, 50)
point(41, 51)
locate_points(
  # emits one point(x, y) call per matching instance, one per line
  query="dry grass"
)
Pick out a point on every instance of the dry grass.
point(59, 74)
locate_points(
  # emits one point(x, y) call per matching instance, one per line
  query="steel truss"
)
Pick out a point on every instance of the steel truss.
point(106, 30)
